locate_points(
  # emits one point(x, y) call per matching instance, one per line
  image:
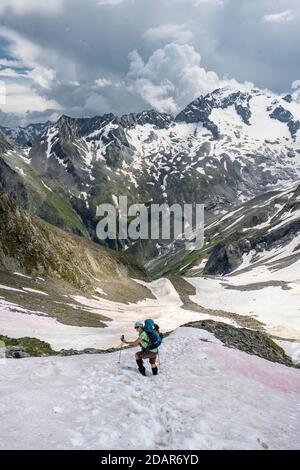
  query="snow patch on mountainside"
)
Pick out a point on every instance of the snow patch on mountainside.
point(165, 309)
point(271, 297)
point(207, 396)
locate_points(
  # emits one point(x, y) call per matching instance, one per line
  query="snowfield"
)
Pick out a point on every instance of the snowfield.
point(165, 309)
point(263, 292)
point(207, 396)
point(277, 307)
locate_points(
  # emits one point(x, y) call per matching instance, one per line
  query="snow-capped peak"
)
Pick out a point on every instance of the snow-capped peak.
point(22, 135)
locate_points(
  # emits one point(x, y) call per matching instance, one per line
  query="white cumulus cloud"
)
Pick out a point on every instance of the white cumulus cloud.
point(172, 77)
point(8, 72)
point(282, 17)
point(24, 51)
point(43, 77)
point(22, 98)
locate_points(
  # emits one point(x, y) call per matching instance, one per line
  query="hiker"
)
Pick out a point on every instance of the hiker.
point(149, 339)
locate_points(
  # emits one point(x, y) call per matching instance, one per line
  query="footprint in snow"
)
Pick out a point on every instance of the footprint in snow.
point(58, 409)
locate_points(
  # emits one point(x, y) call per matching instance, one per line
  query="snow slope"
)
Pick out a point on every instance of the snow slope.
point(165, 309)
point(206, 397)
point(272, 296)
point(278, 308)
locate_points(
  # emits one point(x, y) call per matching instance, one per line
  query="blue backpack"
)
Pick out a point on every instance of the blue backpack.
point(154, 336)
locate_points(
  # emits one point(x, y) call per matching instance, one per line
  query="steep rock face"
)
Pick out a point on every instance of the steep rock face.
point(288, 98)
point(151, 117)
point(5, 144)
point(281, 114)
point(33, 193)
point(11, 181)
point(224, 258)
point(200, 110)
point(285, 116)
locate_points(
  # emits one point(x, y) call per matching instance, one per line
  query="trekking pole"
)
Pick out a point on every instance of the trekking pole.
point(119, 362)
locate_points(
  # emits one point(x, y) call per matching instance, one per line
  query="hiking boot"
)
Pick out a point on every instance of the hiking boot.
point(154, 370)
point(141, 367)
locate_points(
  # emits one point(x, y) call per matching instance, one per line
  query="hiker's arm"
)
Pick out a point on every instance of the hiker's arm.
point(132, 343)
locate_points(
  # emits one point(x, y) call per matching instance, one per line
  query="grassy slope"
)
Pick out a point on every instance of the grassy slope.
point(52, 206)
point(33, 246)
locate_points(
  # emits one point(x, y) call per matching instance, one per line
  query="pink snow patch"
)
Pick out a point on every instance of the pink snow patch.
point(272, 375)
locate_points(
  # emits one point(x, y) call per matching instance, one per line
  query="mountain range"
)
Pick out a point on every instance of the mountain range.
point(229, 150)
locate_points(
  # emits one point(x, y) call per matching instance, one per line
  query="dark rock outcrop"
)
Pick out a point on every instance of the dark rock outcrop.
point(248, 341)
point(224, 258)
point(285, 116)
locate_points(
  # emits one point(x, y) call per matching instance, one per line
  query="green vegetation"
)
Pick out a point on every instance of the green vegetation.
point(32, 245)
point(69, 220)
point(33, 346)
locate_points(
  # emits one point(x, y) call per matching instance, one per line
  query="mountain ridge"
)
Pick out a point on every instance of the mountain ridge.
point(221, 150)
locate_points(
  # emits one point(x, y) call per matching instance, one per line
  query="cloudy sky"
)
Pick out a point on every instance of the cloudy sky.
point(88, 57)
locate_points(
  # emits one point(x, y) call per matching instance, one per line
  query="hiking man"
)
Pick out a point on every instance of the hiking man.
point(149, 340)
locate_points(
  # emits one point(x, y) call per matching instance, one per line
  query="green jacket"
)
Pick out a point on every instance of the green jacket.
point(146, 341)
